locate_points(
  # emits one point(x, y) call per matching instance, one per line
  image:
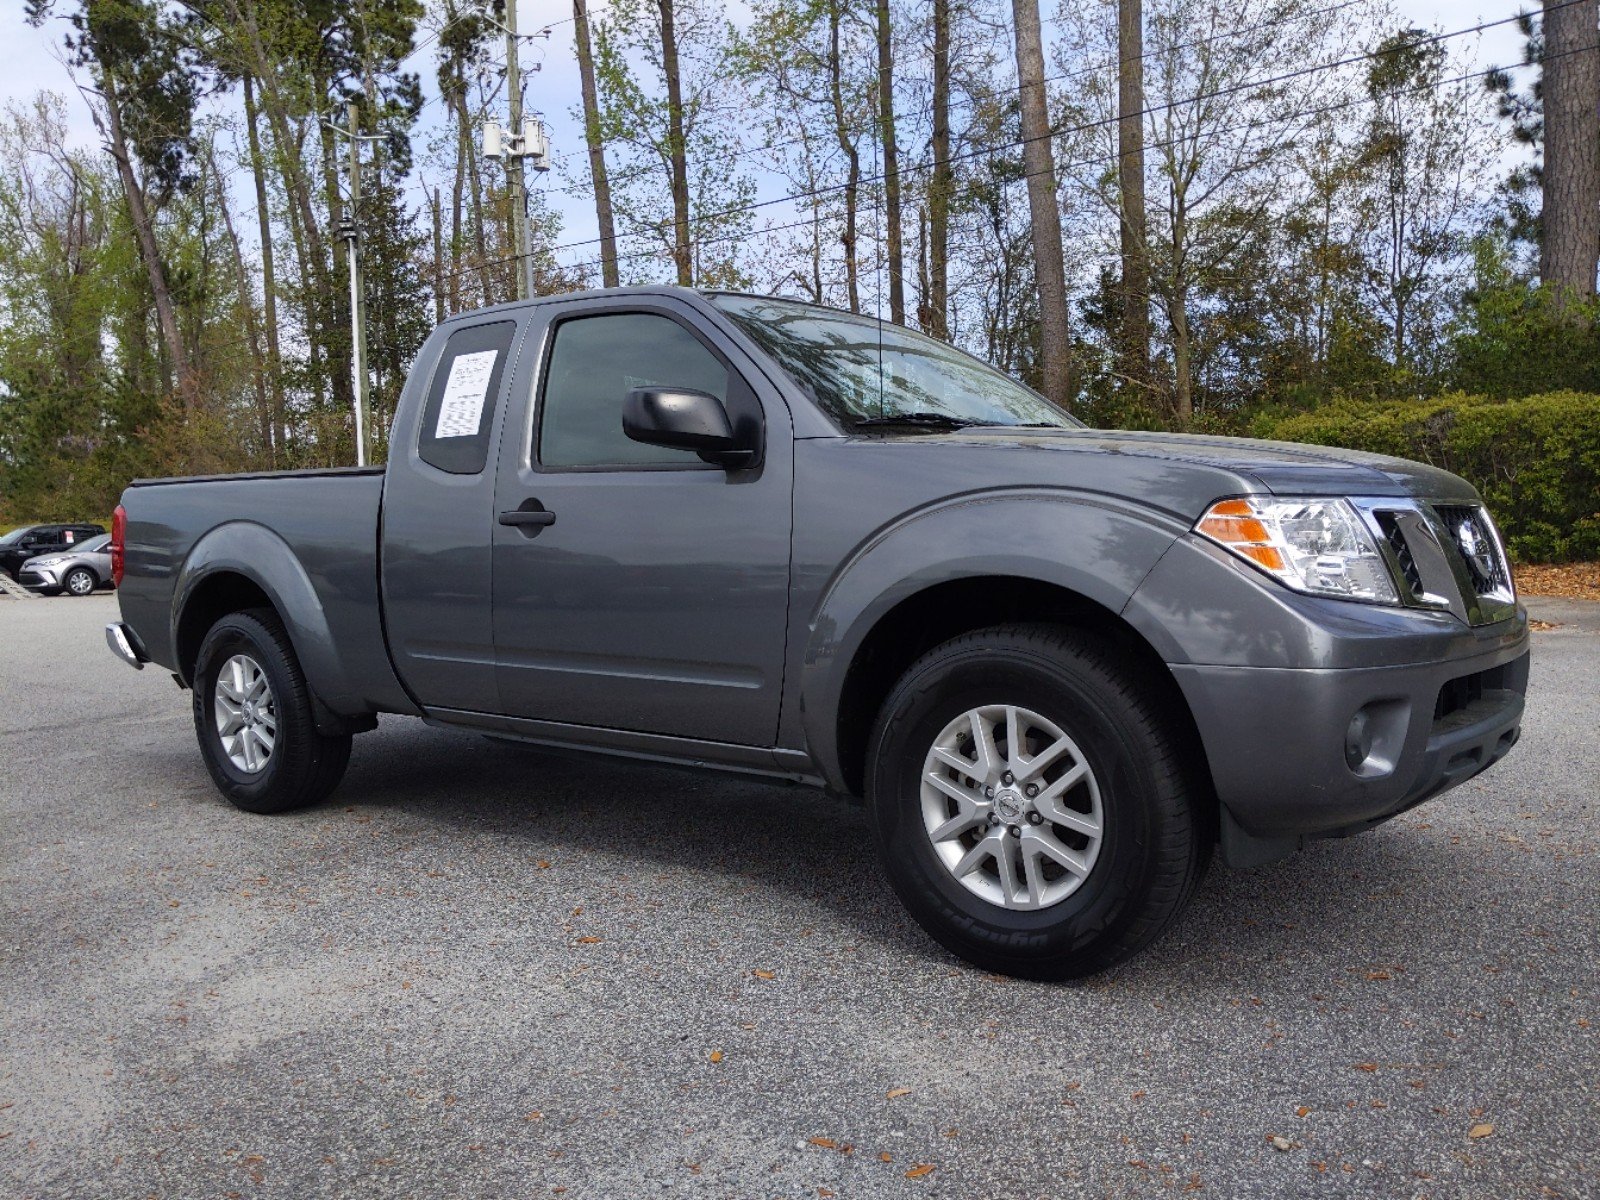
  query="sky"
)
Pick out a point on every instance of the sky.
point(31, 60)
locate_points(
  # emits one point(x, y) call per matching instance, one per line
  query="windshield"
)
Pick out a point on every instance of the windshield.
point(864, 371)
point(94, 544)
point(15, 536)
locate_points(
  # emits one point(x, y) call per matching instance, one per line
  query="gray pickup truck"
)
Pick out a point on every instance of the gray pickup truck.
point(1059, 665)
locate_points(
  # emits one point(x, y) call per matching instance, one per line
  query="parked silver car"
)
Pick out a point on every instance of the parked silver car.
point(75, 571)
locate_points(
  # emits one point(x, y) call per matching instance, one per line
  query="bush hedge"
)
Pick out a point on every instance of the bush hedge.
point(1535, 460)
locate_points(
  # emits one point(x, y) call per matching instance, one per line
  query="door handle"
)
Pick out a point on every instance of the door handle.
point(530, 517)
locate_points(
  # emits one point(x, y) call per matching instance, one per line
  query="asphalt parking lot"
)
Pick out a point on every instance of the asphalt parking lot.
point(488, 971)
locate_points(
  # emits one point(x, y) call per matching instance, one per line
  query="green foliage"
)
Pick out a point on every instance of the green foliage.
point(1535, 460)
point(1512, 340)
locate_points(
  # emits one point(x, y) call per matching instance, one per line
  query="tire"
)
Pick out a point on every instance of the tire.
point(79, 581)
point(302, 766)
point(1141, 791)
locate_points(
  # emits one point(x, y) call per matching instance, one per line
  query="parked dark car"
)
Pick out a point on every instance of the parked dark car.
point(78, 570)
point(1060, 665)
point(18, 546)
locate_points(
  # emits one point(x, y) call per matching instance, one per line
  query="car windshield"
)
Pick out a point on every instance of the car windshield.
point(866, 372)
point(15, 536)
point(94, 544)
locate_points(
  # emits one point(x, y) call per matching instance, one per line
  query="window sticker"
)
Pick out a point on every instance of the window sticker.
point(461, 409)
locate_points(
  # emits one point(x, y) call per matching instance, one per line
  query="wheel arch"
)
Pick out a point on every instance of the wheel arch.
point(1054, 557)
point(242, 565)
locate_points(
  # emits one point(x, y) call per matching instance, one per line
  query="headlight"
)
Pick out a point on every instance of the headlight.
point(1314, 545)
point(46, 562)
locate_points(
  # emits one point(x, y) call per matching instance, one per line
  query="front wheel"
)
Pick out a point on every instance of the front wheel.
point(254, 720)
point(1032, 803)
point(79, 581)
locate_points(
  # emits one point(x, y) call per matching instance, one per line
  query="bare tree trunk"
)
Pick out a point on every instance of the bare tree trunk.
point(941, 182)
point(847, 146)
point(894, 244)
point(480, 244)
point(1182, 359)
point(677, 152)
point(436, 204)
point(1055, 335)
point(315, 267)
point(597, 150)
point(1571, 249)
point(1130, 166)
point(144, 232)
point(269, 280)
point(247, 309)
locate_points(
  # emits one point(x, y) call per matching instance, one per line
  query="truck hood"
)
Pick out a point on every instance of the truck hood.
point(1287, 468)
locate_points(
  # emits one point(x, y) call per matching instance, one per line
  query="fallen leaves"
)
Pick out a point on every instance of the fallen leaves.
point(1279, 1142)
point(918, 1171)
point(1573, 581)
point(1302, 1111)
point(1480, 1131)
point(589, 941)
point(826, 1143)
point(715, 1056)
point(896, 1093)
point(760, 974)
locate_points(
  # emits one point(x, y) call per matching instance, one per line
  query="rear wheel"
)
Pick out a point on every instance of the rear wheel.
point(254, 720)
point(79, 581)
point(1032, 804)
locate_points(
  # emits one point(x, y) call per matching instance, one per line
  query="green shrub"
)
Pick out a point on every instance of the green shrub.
point(1535, 460)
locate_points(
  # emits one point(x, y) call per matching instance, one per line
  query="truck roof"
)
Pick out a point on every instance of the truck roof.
point(654, 289)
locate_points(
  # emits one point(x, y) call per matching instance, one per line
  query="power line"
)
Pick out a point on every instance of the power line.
point(1096, 160)
point(1217, 94)
point(1075, 73)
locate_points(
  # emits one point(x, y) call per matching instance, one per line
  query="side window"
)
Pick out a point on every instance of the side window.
point(594, 364)
point(458, 418)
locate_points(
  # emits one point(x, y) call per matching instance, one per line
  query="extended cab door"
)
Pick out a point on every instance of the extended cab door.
point(655, 600)
point(438, 509)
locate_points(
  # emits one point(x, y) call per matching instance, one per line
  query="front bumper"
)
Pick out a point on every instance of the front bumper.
point(40, 579)
point(1276, 738)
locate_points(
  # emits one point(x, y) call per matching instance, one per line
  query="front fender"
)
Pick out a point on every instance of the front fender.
point(261, 556)
point(1092, 545)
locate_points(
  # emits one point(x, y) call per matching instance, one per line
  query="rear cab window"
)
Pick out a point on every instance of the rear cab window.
point(458, 416)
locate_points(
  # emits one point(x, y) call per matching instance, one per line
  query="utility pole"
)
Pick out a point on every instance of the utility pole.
point(350, 234)
point(524, 139)
point(519, 196)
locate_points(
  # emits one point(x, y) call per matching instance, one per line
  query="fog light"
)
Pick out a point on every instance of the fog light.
point(1358, 740)
point(1375, 737)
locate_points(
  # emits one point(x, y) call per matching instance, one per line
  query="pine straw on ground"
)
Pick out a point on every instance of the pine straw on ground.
point(1570, 581)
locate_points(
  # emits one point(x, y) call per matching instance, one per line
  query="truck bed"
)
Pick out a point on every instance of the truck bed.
point(314, 534)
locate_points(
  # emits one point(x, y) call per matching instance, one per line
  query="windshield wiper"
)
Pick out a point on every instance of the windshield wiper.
point(928, 420)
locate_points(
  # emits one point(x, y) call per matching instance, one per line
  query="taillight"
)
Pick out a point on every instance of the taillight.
point(119, 535)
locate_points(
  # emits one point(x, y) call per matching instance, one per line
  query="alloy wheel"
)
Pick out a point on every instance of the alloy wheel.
point(1012, 807)
point(245, 715)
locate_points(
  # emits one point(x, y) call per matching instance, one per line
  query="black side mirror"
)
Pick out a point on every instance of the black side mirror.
point(686, 420)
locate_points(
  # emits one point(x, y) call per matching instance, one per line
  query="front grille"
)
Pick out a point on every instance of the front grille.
point(1445, 556)
point(1472, 540)
point(1404, 559)
point(1461, 692)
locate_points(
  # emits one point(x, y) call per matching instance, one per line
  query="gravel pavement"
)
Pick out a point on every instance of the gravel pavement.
point(486, 971)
